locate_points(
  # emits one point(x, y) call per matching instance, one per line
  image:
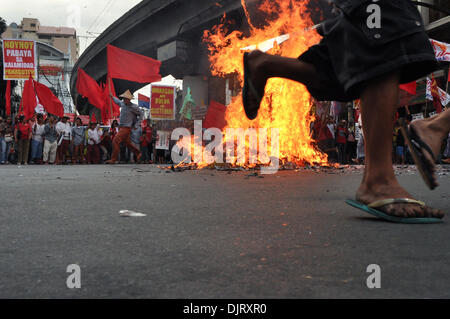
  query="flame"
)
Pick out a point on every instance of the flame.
point(286, 104)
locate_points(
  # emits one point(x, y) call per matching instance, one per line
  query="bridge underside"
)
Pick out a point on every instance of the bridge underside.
point(169, 31)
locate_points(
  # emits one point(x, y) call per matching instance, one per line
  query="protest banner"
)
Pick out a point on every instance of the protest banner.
point(19, 59)
point(162, 140)
point(162, 102)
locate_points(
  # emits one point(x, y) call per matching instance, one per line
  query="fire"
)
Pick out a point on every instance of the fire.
point(286, 104)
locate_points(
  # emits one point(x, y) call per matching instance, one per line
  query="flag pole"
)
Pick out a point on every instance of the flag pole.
point(110, 98)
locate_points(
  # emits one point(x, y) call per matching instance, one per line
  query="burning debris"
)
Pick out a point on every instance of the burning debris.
point(287, 105)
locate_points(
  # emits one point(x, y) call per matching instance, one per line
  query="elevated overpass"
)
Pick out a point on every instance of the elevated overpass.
point(168, 30)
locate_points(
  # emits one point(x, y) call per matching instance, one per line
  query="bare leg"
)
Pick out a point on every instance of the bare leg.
point(379, 104)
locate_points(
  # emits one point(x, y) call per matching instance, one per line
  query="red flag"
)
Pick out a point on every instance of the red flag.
point(50, 102)
point(93, 119)
point(88, 87)
point(126, 65)
point(29, 102)
point(411, 87)
point(8, 97)
point(109, 108)
point(215, 117)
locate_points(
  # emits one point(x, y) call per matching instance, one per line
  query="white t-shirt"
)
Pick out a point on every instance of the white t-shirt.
point(64, 129)
point(38, 132)
point(94, 136)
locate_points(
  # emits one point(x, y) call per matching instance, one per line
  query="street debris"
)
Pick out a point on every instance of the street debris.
point(332, 169)
point(130, 213)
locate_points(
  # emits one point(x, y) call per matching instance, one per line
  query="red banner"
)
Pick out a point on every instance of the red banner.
point(162, 99)
point(127, 65)
point(19, 59)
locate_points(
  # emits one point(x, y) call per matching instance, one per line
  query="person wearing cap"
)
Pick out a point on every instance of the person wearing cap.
point(129, 114)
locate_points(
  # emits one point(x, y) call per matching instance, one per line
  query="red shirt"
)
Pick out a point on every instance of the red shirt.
point(143, 141)
point(24, 130)
point(148, 133)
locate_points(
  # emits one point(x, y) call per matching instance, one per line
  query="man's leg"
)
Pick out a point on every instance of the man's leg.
point(116, 145)
point(263, 66)
point(379, 103)
point(132, 147)
point(53, 149)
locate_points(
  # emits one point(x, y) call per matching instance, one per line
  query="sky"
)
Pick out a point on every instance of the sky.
point(88, 17)
point(85, 15)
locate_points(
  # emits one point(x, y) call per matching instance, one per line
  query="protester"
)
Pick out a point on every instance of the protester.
point(37, 140)
point(51, 136)
point(341, 141)
point(351, 145)
point(93, 150)
point(3, 154)
point(65, 132)
point(129, 114)
point(23, 137)
point(78, 140)
point(399, 147)
point(358, 58)
point(9, 140)
point(105, 146)
point(147, 133)
point(114, 129)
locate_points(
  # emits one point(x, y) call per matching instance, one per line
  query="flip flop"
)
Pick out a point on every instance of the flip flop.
point(417, 148)
point(372, 209)
point(249, 88)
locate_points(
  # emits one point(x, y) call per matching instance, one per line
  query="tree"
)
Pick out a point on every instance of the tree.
point(3, 26)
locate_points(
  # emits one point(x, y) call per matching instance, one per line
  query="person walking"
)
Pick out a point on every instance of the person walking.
point(129, 114)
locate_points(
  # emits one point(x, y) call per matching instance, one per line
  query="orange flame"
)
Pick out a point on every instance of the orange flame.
point(287, 104)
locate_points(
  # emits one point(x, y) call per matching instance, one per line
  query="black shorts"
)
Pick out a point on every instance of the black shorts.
point(350, 53)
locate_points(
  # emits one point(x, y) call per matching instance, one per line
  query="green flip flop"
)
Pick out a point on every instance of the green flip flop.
point(372, 209)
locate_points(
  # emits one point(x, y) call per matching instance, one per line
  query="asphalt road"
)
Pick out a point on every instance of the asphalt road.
point(210, 234)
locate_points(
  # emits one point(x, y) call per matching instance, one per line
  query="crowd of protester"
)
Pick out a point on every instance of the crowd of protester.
point(58, 141)
point(344, 142)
